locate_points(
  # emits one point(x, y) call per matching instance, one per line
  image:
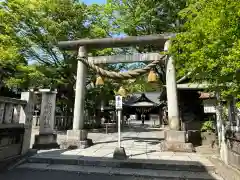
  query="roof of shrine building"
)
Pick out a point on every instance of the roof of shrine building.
point(144, 99)
point(155, 98)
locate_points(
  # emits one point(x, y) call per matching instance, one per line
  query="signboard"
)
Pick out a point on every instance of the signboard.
point(209, 106)
point(209, 109)
point(118, 102)
point(154, 117)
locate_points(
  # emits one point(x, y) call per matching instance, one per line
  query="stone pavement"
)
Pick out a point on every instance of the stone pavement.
point(142, 146)
point(98, 161)
point(124, 173)
point(137, 133)
point(139, 143)
point(137, 155)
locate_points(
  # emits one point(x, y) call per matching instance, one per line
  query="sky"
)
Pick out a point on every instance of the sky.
point(94, 1)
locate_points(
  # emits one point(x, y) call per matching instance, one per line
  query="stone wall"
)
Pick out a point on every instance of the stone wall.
point(15, 126)
point(233, 153)
point(11, 139)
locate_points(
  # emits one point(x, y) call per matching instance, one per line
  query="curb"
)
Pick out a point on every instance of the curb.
point(159, 174)
point(163, 165)
point(21, 159)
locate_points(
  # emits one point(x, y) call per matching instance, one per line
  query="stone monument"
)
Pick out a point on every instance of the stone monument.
point(47, 138)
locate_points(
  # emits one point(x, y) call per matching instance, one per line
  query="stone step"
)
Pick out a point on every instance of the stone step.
point(110, 171)
point(171, 165)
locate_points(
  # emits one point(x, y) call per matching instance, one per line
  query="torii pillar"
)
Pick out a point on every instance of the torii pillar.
point(175, 139)
point(172, 97)
point(77, 136)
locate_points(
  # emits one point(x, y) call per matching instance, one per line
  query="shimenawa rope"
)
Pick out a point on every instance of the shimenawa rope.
point(120, 75)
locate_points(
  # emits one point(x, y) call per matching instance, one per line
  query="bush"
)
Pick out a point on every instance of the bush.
point(208, 126)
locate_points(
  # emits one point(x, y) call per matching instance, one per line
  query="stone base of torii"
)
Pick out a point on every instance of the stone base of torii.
point(175, 140)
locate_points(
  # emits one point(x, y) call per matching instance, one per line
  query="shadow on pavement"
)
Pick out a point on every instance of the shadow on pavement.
point(122, 169)
point(130, 128)
point(152, 141)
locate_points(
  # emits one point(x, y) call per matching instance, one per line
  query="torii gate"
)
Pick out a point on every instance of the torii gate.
point(78, 136)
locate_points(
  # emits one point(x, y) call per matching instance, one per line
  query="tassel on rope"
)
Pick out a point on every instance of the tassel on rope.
point(152, 76)
point(122, 92)
point(99, 81)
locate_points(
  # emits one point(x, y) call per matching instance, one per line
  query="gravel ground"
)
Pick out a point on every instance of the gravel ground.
point(27, 174)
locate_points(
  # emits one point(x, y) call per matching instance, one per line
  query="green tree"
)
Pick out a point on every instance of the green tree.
point(36, 27)
point(14, 68)
point(140, 84)
point(209, 45)
point(141, 17)
point(144, 17)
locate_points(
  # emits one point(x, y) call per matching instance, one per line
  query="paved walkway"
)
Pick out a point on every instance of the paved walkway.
point(139, 143)
point(142, 155)
point(135, 131)
point(142, 145)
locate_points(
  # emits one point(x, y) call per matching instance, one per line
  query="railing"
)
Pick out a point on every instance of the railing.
point(63, 122)
point(60, 123)
point(11, 130)
point(10, 110)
